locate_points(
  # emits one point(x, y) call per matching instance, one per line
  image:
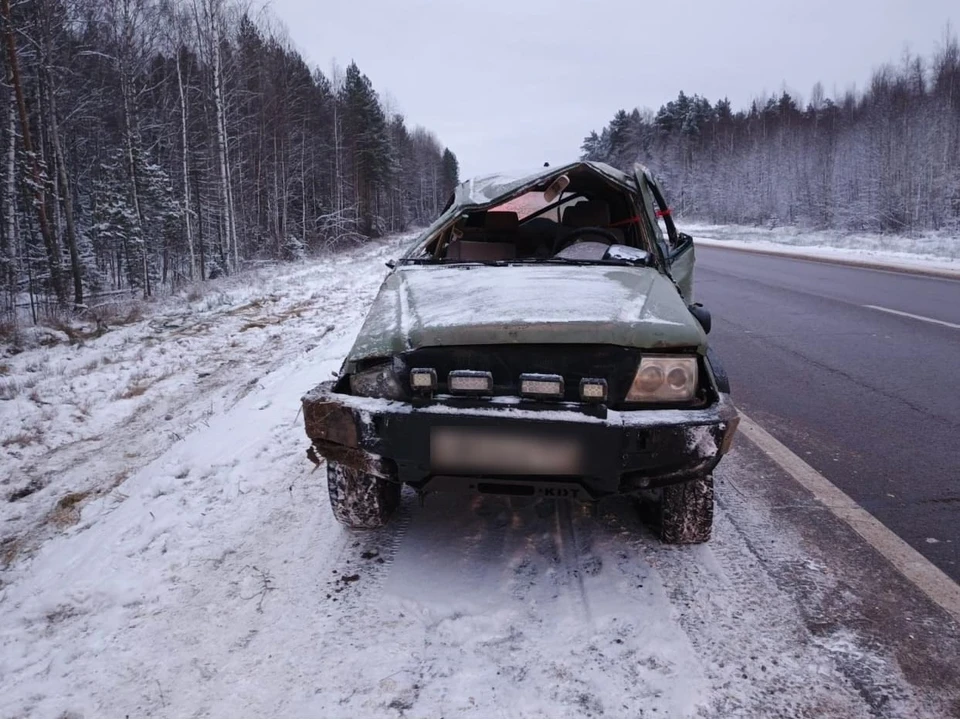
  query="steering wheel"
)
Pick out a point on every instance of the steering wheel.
point(580, 232)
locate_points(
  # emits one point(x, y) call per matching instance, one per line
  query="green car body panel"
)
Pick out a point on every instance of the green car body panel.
point(457, 304)
point(433, 306)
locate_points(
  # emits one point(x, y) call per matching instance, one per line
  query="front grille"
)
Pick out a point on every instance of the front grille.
point(617, 365)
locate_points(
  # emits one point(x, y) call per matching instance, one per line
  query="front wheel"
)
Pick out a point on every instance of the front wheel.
point(360, 500)
point(686, 512)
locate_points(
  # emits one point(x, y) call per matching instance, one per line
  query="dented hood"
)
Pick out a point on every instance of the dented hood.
point(423, 306)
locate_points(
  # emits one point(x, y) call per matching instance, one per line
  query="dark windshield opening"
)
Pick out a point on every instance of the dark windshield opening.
point(541, 226)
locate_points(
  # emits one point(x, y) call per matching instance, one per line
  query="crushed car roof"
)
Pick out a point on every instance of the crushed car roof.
point(486, 190)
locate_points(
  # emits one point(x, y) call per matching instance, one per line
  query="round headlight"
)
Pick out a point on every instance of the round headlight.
point(677, 379)
point(649, 379)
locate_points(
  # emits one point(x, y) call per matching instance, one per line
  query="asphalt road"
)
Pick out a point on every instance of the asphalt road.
point(869, 398)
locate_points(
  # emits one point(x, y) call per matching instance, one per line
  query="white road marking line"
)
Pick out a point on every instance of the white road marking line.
point(916, 317)
point(918, 570)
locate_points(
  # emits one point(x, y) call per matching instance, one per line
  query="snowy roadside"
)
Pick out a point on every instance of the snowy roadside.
point(76, 420)
point(222, 587)
point(214, 582)
point(932, 253)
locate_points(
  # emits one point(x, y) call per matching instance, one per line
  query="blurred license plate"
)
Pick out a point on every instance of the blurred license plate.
point(492, 451)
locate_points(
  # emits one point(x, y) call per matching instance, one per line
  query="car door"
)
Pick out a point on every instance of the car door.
point(676, 247)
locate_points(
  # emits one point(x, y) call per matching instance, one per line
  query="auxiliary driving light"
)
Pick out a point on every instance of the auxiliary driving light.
point(593, 390)
point(423, 379)
point(541, 385)
point(465, 381)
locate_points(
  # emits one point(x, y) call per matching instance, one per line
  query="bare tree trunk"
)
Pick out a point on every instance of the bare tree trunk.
point(49, 241)
point(284, 199)
point(186, 174)
point(238, 215)
point(203, 254)
point(337, 156)
point(134, 180)
point(208, 32)
point(273, 203)
point(8, 253)
point(303, 186)
point(66, 198)
point(230, 204)
point(222, 157)
point(226, 190)
point(258, 182)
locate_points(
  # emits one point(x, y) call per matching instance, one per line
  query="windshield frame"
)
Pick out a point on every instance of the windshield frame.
point(429, 246)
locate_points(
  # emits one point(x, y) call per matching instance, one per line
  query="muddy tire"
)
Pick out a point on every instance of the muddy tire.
point(360, 500)
point(686, 512)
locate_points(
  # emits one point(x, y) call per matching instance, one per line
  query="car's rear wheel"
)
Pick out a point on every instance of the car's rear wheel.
point(360, 500)
point(686, 512)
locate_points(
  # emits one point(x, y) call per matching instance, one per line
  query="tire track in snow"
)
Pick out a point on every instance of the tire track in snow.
point(486, 603)
point(570, 551)
point(369, 553)
point(484, 596)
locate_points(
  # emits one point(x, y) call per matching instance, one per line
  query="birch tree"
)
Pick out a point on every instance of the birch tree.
point(38, 178)
point(147, 142)
point(884, 160)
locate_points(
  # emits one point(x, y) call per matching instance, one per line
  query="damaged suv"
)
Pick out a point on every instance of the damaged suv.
point(540, 338)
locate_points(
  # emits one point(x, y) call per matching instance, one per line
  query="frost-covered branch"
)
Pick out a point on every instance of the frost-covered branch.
point(176, 140)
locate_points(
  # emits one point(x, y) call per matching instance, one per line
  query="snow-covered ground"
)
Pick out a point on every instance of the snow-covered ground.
point(931, 252)
point(199, 571)
point(76, 420)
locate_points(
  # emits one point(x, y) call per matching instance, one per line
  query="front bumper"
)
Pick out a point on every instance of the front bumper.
point(621, 452)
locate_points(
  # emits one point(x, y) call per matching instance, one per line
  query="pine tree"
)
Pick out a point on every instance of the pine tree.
point(848, 162)
point(177, 139)
point(450, 173)
point(590, 148)
point(368, 145)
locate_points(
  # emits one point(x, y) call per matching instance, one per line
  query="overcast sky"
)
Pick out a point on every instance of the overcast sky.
point(513, 83)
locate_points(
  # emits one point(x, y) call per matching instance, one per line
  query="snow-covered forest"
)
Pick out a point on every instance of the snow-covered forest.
point(149, 143)
point(883, 160)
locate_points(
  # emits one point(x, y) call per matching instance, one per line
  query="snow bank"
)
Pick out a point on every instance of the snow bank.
point(931, 252)
point(76, 420)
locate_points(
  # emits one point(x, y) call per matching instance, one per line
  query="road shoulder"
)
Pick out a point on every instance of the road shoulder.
point(866, 595)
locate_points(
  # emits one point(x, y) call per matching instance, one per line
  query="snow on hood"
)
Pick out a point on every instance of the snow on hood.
point(422, 306)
